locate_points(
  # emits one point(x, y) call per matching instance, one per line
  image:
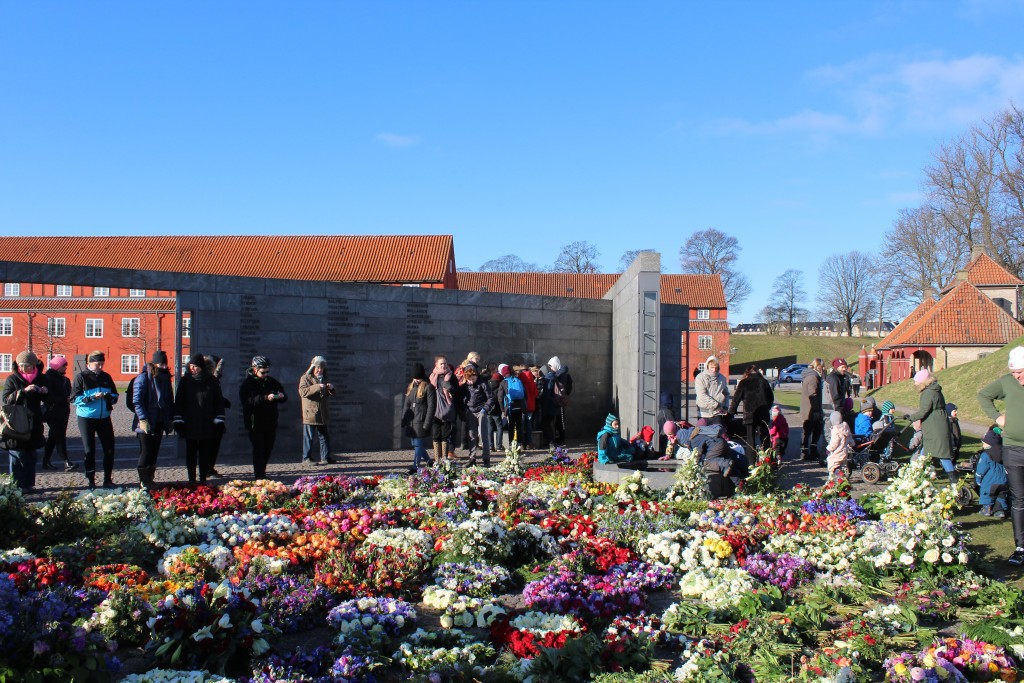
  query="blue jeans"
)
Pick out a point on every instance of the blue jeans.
point(23, 467)
point(419, 453)
point(318, 432)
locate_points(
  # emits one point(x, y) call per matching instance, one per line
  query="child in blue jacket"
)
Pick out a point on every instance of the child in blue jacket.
point(611, 447)
point(991, 474)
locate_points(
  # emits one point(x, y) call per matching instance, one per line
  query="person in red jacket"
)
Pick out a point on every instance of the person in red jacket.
point(530, 387)
point(778, 431)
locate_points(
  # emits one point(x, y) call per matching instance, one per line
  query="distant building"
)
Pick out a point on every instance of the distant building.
point(816, 329)
point(978, 313)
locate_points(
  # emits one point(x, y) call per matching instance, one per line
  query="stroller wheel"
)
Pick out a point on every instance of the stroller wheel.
point(871, 472)
point(964, 496)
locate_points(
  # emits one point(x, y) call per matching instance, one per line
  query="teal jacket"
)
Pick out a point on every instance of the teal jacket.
point(611, 447)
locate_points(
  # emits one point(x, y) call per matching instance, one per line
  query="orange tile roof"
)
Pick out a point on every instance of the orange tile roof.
point(336, 258)
point(25, 303)
point(893, 338)
point(696, 291)
point(964, 316)
point(709, 325)
point(986, 271)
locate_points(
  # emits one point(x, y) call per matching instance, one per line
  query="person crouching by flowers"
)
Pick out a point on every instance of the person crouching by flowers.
point(778, 431)
point(839, 445)
point(26, 387)
point(611, 447)
point(991, 474)
point(418, 415)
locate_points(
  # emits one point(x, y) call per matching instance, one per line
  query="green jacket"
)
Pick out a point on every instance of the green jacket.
point(1011, 393)
point(934, 423)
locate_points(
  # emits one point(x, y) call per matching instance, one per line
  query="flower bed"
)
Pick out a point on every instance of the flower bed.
point(805, 585)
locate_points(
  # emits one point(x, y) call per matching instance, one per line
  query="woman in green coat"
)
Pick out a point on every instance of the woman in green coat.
point(931, 418)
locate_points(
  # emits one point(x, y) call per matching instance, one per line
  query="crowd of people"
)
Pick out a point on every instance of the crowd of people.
point(484, 408)
point(196, 411)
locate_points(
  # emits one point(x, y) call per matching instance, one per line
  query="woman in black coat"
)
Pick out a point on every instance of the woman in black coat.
point(26, 386)
point(418, 415)
point(199, 417)
point(757, 397)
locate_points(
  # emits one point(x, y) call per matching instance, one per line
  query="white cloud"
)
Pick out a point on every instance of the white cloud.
point(887, 93)
point(397, 141)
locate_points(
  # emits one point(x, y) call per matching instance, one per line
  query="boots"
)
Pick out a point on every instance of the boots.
point(146, 476)
point(438, 452)
point(954, 476)
point(91, 479)
point(108, 482)
point(47, 465)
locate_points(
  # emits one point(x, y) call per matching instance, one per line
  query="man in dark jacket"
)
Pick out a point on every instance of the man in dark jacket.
point(756, 395)
point(153, 399)
point(260, 395)
point(810, 410)
point(835, 390)
point(25, 386)
point(479, 402)
point(199, 417)
point(94, 395)
point(58, 413)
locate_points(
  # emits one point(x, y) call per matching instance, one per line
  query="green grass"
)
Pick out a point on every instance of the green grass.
point(752, 347)
point(960, 385)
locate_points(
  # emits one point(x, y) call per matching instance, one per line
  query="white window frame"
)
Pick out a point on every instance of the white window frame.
point(94, 325)
point(6, 362)
point(700, 367)
point(56, 327)
point(65, 290)
point(705, 342)
point(12, 289)
point(127, 324)
point(130, 364)
point(138, 293)
point(101, 291)
point(186, 328)
point(703, 314)
point(6, 327)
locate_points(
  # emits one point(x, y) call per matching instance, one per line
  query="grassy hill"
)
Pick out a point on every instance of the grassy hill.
point(960, 384)
point(751, 347)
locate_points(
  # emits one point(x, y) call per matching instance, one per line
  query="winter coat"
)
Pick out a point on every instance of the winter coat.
point(199, 404)
point(810, 396)
point(530, 388)
point(518, 404)
point(418, 414)
point(840, 444)
point(257, 411)
point(955, 437)
point(550, 397)
point(479, 397)
point(934, 423)
point(58, 398)
point(712, 394)
point(88, 383)
point(862, 426)
point(611, 447)
point(14, 393)
point(779, 428)
point(153, 398)
point(756, 395)
point(988, 473)
point(1008, 390)
point(493, 383)
point(834, 392)
point(314, 394)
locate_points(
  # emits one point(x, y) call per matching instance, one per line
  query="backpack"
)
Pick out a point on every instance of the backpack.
point(129, 394)
point(558, 389)
point(15, 422)
point(515, 391)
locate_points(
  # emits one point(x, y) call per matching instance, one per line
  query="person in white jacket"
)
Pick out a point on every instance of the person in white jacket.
point(712, 392)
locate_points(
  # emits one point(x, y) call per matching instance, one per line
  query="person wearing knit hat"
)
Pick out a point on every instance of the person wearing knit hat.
point(151, 398)
point(955, 435)
point(991, 475)
point(611, 447)
point(58, 413)
point(931, 419)
point(261, 395)
point(198, 418)
point(418, 415)
point(314, 391)
point(26, 389)
point(94, 394)
point(1009, 389)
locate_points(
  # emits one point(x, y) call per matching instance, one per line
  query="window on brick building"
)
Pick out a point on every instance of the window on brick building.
point(186, 328)
point(65, 290)
point(94, 327)
point(136, 292)
point(129, 327)
point(12, 289)
point(6, 327)
point(703, 314)
point(101, 291)
point(6, 360)
point(55, 327)
point(704, 342)
point(129, 364)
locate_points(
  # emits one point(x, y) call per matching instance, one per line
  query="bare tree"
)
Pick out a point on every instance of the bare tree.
point(628, 257)
point(142, 343)
point(47, 335)
point(773, 319)
point(712, 252)
point(509, 263)
point(920, 253)
point(787, 295)
point(578, 257)
point(845, 288)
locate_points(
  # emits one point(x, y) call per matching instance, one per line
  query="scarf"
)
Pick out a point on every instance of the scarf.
point(30, 377)
point(435, 379)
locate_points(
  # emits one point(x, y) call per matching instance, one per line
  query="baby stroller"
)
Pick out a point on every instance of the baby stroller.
point(873, 455)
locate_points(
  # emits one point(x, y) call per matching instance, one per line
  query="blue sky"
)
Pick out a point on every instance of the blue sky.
point(801, 128)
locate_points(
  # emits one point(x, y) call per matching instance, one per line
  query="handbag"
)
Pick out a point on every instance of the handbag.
point(445, 409)
point(15, 422)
